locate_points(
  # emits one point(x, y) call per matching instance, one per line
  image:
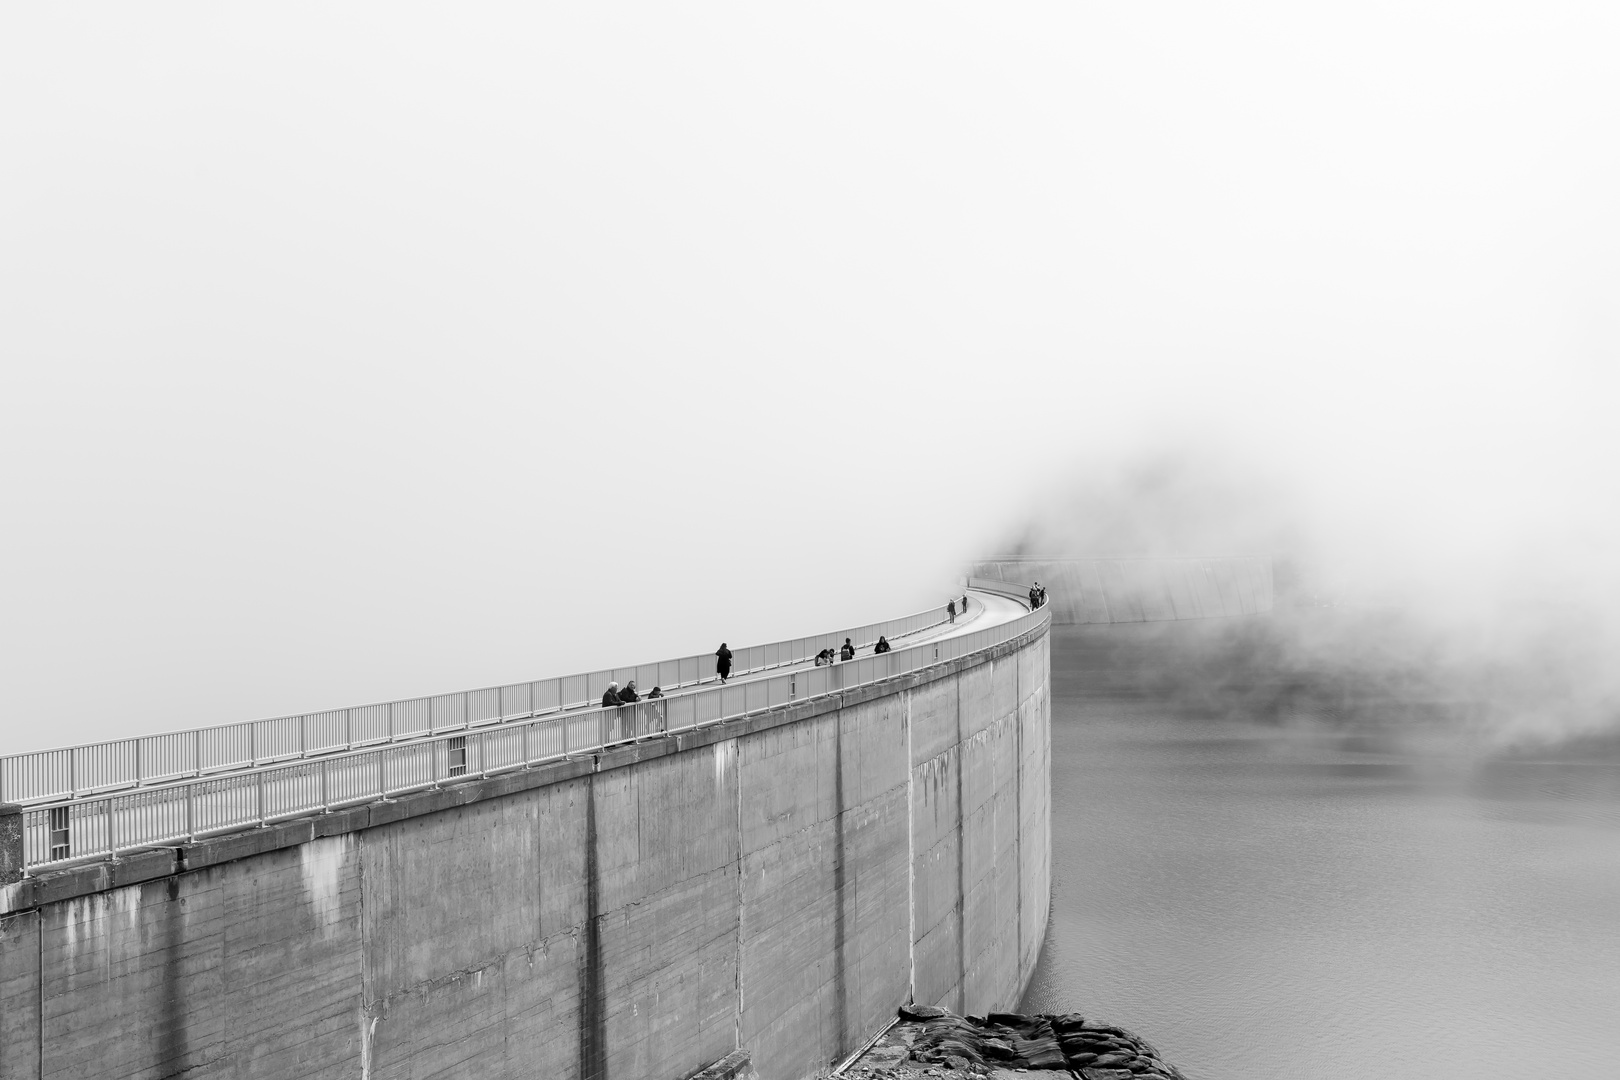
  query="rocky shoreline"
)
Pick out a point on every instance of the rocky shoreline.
point(928, 1042)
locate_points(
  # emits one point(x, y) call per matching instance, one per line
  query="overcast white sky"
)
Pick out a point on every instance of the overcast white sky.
point(355, 352)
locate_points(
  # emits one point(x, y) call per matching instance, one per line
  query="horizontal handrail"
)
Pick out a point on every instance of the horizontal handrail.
point(996, 586)
point(149, 760)
point(104, 826)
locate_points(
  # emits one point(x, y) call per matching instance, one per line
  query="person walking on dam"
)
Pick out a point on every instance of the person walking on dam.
point(847, 652)
point(950, 609)
point(722, 662)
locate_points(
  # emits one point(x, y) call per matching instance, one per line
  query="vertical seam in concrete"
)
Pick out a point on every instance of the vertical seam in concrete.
point(840, 883)
point(1018, 819)
point(592, 1018)
point(39, 938)
point(737, 1025)
point(961, 853)
point(911, 865)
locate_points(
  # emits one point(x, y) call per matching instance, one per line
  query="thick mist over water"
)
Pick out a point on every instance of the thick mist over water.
point(359, 353)
point(1506, 638)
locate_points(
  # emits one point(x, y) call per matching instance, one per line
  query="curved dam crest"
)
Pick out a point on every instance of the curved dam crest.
point(779, 883)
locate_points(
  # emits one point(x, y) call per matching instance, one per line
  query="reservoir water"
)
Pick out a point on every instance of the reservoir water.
point(1274, 876)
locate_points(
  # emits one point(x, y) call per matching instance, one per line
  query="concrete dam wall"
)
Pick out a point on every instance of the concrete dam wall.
point(779, 883)
point(1114, 590)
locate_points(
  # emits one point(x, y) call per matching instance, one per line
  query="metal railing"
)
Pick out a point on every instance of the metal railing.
point(104, 826)
point(143, 761)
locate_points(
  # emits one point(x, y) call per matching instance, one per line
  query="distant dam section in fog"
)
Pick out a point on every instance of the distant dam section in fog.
point(1120, 589)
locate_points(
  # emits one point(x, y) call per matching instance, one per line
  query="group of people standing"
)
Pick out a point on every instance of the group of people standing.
point(847, 652)
point(614, 696)
point(1037, 596)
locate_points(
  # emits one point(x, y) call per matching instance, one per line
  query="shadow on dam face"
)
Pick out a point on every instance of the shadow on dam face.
point(592, 995)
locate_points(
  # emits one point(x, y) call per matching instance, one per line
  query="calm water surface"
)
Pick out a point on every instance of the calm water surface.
point(1275, 894)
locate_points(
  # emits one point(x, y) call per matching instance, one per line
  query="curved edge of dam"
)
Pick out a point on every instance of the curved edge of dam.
point(779, 883)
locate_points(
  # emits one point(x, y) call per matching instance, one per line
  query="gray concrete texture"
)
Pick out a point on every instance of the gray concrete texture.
point(783, 889)
point(1114, 590)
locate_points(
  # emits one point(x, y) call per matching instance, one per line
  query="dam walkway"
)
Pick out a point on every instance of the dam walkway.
point(105, 800)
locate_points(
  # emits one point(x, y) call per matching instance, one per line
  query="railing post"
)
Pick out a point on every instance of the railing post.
point(382, 777)
point(138, 775)
point(112, 833)
point(258, 798)
point(191, 815)
point(348, 732)
point(303, 736)
point(196, 752)
point(324, 807)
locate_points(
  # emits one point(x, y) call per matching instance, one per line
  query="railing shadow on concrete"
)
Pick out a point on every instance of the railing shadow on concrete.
point(103, 826)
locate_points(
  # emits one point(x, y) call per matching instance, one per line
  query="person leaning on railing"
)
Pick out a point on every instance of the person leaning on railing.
point(611, 698)
point(882, 645)
point(628, 695)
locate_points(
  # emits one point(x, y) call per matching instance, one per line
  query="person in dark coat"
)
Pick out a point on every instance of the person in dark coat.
point(654, 694)
point(950, 609)
point(882, 646)
point(1035, 596)
point(722, 662)
point(628, 694)
point(610, 697)
point(847, 652)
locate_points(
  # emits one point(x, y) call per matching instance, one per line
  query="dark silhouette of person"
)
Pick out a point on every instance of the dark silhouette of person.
point(950, 609)
point(654, 694)
point(882, 646)
point(628, 695)
point(847, 652)
point(722, 662)
point(610, 696)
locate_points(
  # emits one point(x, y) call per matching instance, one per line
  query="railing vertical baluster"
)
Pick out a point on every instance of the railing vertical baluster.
point(303, 736)
point(112, 835)
point(348, 732)
point(325, 807)
point(191, 815)
point(258, 798)
point(382, 779)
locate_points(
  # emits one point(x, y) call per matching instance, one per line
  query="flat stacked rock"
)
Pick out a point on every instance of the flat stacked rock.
point(931, 1042)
